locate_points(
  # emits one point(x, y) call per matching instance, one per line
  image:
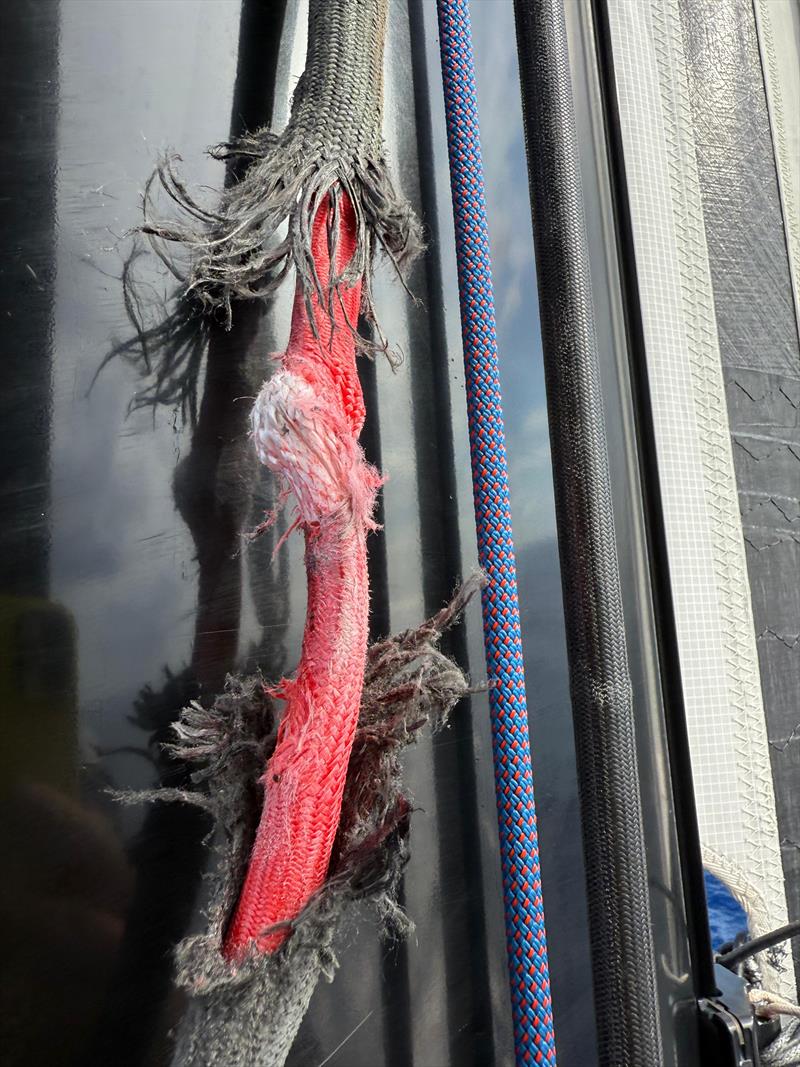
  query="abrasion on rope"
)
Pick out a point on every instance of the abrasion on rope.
point(306, 423)
point(524, 911)
point(303, 777)
point(325, 177)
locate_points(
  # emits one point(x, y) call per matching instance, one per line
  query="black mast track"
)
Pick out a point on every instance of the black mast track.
point(623, 959)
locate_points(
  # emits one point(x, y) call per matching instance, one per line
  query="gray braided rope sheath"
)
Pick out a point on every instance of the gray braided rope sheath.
point(784, 1050)
point(253, 1019)
point(332, 145)
point(338, 103)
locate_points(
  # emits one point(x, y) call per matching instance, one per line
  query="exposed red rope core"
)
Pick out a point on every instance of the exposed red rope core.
point(306, 423)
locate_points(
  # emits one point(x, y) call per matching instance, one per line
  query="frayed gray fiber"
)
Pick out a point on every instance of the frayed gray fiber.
point(168, 353)
point(784, 1050)
point(332, 146)
point(249, 1014)
point(249, 1018)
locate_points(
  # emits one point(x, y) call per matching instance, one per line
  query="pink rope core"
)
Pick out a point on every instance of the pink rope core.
point(306, 422)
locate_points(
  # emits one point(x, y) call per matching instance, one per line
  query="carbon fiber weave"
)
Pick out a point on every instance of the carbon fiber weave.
point(623, 964)
point(525, 929)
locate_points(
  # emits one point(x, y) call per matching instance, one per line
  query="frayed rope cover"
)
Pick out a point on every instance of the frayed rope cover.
point(328, 162)
point(248, 1015)
point(331, 147)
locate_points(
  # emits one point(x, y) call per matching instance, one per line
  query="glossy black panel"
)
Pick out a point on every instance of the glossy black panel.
point(125, 589)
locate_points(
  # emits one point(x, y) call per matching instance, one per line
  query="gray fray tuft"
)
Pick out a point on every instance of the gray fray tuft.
point(250, 1014)
point(331, 147)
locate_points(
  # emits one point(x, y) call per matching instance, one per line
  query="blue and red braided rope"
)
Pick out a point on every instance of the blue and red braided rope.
point(525, 930)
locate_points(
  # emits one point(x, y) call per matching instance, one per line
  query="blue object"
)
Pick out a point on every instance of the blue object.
point(726, 916)
point(519, 849)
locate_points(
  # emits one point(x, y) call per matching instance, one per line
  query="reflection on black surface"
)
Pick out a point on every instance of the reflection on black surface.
point(461, 878)
point(29, 112)
point(395, 983)
point(64, 879)
point(213, 487)
point(90, 918)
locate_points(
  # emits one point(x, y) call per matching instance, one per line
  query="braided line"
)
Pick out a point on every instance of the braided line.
point(519, 849)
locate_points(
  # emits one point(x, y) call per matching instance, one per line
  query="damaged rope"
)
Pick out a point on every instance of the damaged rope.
point(309, 808)
point(306, 422)
point(331, 148)
point(248, 1015)
point(525, 929)
point(325, 178)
